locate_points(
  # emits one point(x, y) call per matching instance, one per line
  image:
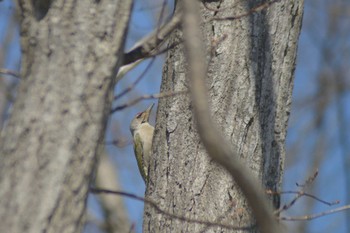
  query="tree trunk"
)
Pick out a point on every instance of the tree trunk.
point(71, 51)
point(250, 81)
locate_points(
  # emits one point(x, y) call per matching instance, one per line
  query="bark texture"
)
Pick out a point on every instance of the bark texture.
point(250, 81)
point(71, 51)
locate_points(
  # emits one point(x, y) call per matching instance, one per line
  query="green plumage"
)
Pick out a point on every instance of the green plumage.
point(138, 149)
point(142, 133)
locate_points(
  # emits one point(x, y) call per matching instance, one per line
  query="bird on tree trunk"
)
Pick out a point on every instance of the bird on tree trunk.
point(142, 132)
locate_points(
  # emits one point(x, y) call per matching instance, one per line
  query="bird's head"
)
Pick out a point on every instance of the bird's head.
point(140, 118)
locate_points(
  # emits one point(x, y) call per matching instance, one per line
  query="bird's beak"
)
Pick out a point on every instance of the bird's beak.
point(148, 112)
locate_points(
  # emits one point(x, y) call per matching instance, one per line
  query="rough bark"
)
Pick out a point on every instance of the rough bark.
point(71, 51)
point(250, 80)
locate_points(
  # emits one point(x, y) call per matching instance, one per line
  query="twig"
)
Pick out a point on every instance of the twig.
point(10, 72)
point(161, 51)
point(170, 215)
point(126, 68)
point(132, 86)
point(118, 143)
point(147, 45)
point(313, 197)
point(298, 195)
point(145, 97)
point(305, 194)
point(309, 180)
point(288, 205)
point(150, 64)
point(313, 216)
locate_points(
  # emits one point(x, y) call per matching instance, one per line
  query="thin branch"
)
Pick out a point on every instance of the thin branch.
point(10, 72)
point(149, 65)
point(154, 205)
point(309, 180)
point(313, 197)
point(270, 192)
point(145, 97)
point(161, 51)
point(118, 143)
point(132, 86)
point(126, 68)
point(313, 216)
point(216, 145)
point(146, 46)
point(299, 194)
point(288, 205)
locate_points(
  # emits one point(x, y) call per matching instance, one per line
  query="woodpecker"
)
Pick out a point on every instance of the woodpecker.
point(142, 133)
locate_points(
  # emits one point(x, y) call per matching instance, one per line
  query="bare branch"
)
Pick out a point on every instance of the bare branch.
point(148, 46)
point(309, 180)
point(288, 205)
point(170, 215)
point(10, 72)
point(118, 143)
point(302, 193)
point(150, 64)
point(145, 97)
point(132, 86)
point(126, 68)
point(299, 194)
point(313, 216)
point(216, 145)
